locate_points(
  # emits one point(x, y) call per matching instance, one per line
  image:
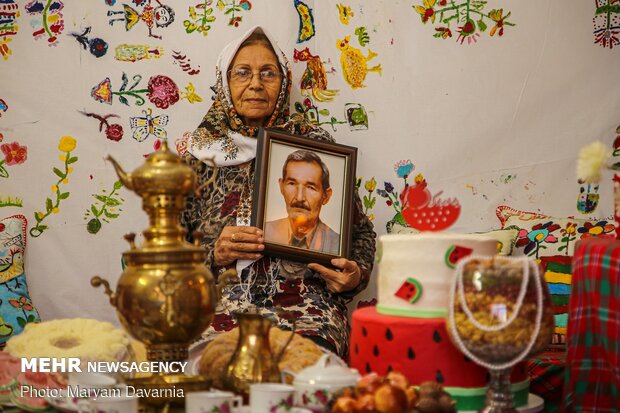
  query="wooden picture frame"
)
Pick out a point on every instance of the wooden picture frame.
point(278, 217)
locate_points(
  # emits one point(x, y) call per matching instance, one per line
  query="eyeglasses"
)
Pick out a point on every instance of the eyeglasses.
point(243, 75)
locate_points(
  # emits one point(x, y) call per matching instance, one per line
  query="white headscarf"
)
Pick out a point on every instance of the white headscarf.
point(222, 137)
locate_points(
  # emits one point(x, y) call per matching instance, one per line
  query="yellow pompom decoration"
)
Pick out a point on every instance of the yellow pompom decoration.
point(592, 159)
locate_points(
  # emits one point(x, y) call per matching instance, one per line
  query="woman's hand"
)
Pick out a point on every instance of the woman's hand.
point(238, 243)
point(346, 277)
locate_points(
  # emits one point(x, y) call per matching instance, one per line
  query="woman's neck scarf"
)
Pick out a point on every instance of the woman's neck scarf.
point(222, 138)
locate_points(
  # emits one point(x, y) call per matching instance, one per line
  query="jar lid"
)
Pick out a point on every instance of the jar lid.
point(330, 370)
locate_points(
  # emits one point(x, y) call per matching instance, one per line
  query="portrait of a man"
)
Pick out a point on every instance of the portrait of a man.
point(305, 187)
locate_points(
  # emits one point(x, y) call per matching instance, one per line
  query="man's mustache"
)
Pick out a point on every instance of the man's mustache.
point(300, 205)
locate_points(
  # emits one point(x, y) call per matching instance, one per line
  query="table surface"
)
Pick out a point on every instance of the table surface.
point(535, 405)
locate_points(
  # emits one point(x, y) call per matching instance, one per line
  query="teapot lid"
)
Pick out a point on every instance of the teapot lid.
point(329, 370)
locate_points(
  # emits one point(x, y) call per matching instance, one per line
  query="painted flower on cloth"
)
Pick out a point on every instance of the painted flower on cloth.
point(403, 169)
point(114, 132)
point(426, 12)
point(21, 303)
point(601, 228)
point(568, 236)
point(67, 144)
point(102, 92)
point(369, 200)
point(443, 32)
point(496, 16)
point(533, 240)
point(14, 153)
point(468, 32)
point(50, 23)
point(163, 92)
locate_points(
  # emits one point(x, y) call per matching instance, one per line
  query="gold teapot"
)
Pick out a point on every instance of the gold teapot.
point(253, 360)
point(166, 296)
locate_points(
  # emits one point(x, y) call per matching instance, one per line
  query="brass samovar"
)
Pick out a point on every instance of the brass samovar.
point(166, 296)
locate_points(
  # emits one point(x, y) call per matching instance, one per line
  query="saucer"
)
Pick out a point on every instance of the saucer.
point(246, 409)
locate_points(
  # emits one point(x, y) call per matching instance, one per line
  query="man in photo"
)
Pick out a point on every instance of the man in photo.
point(305, 188)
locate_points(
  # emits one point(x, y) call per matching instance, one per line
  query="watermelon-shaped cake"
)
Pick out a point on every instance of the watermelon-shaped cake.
point(416, 270)
point(406, 332)
point(421, 349)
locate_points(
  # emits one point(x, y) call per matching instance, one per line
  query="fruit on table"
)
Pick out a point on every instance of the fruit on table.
point(392, 394)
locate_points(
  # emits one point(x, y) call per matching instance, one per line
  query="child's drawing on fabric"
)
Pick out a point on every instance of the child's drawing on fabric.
point(8, 26)
point(231, 8)
point(314, 79)
point(104, 209)
point(201, 15)
point(403, 169)
point(160, 16)
point(12, 247)
point(607, 23)
point(369, 200)
point(14, 154)
point(535, 239)
point(47, 20)
point(11, 201)
point(355, 115)
point(190, 94)
point(200, 18)
point(161, 91)
point(134, 52)
point(344, 13)
point(568, 234)
point(96, 46)
point(362, 36)
point(113, 132)
point(306, 21)
point(597, 229)
point(66, 145)
point(355, 64)
point(147, 125)
point(181, 143)
point(587, 201)
point(467, 15)
point(185, 63)
point(415, 206)
point(426, 212)
point(557, 273)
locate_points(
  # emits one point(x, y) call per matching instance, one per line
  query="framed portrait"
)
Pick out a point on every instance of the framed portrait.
point(303, 195)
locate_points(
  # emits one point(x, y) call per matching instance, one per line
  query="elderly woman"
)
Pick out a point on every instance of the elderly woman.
point(253, 80)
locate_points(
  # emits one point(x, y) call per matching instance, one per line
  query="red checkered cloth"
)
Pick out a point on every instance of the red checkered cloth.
point(546, 372)
point(593, 337)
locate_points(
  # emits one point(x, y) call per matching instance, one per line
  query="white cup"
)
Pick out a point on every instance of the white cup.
point(271, 398)
point(212, 401)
